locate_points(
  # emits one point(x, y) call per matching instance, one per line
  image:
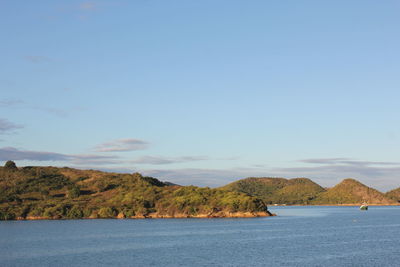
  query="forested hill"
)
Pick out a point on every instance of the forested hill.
point(303, 191)
point(394, 194)
point(58, 193)
point(278, 190)
point(351, 191)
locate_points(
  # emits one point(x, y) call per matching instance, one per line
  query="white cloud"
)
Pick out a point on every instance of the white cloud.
point(121, 145)
point(158, 160)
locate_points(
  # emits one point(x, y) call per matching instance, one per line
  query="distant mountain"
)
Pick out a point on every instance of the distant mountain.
point(66, 193)
point(278, 190)
point(351, 191)
point(394, 194)
point(304, 191)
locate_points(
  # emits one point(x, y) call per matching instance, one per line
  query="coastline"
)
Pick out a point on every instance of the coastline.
point(162, 216)
point(331, 205)
point(198, 216)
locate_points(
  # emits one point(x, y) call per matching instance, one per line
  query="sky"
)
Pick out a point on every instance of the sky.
point(204, 92)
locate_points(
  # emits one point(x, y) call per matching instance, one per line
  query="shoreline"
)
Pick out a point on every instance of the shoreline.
point(158, 216)
point(219, 215)
point(330, 205)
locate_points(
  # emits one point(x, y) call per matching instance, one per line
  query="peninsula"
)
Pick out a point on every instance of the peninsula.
point(66, 193)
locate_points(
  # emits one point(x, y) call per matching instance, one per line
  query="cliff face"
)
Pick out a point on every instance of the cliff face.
point(350, 191)
point(65, 193)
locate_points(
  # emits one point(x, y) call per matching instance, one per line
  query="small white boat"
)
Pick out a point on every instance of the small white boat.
point(364, 206)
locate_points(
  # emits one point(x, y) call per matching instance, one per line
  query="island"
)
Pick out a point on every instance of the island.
point(34, 193)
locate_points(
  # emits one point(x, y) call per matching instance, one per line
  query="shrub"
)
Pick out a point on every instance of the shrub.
point(10, 166)
point(75, 213)
point(107, 212)
point(6, 215)
point(74, 192)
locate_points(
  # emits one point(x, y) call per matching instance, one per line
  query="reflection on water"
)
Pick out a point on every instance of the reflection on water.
point(298, 236)
point(300, 211)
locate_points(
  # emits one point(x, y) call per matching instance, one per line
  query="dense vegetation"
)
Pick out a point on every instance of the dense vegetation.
point(394, 194)
point(49, 192)
point(278, 190)
point(57, 193)
point(351, 191)
point(303, 191)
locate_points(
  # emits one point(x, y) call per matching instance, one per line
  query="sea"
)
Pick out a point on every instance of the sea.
point(297, 236)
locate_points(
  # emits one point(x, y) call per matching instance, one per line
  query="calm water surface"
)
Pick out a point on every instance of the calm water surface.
point(299, 236)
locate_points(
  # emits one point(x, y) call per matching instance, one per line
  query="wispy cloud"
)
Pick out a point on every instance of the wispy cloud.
point(158, 160)
point(20, 104)
point(90, 159)
point(122, 145)
point(7, 126)
point(347, 161)
point(323, 160)
point(10, 102)
point(12, 153)
point(55, 111)
point(330, 171)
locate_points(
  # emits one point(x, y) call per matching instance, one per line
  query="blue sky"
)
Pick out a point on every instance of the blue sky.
point(204, 92)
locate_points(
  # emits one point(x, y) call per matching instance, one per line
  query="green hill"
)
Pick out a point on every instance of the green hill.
point(278, 190)
point(394, 194)
point(58, 193)
point(350, 191)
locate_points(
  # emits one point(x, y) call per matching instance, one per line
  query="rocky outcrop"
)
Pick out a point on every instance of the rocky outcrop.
point(36, 218)
point(121, 215)
point(216, 214)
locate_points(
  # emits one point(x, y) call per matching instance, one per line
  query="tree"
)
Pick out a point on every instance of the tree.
point(10, 166)
point(107, 212)
point(75, 213)
point(74, 192)
point(45, 193)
